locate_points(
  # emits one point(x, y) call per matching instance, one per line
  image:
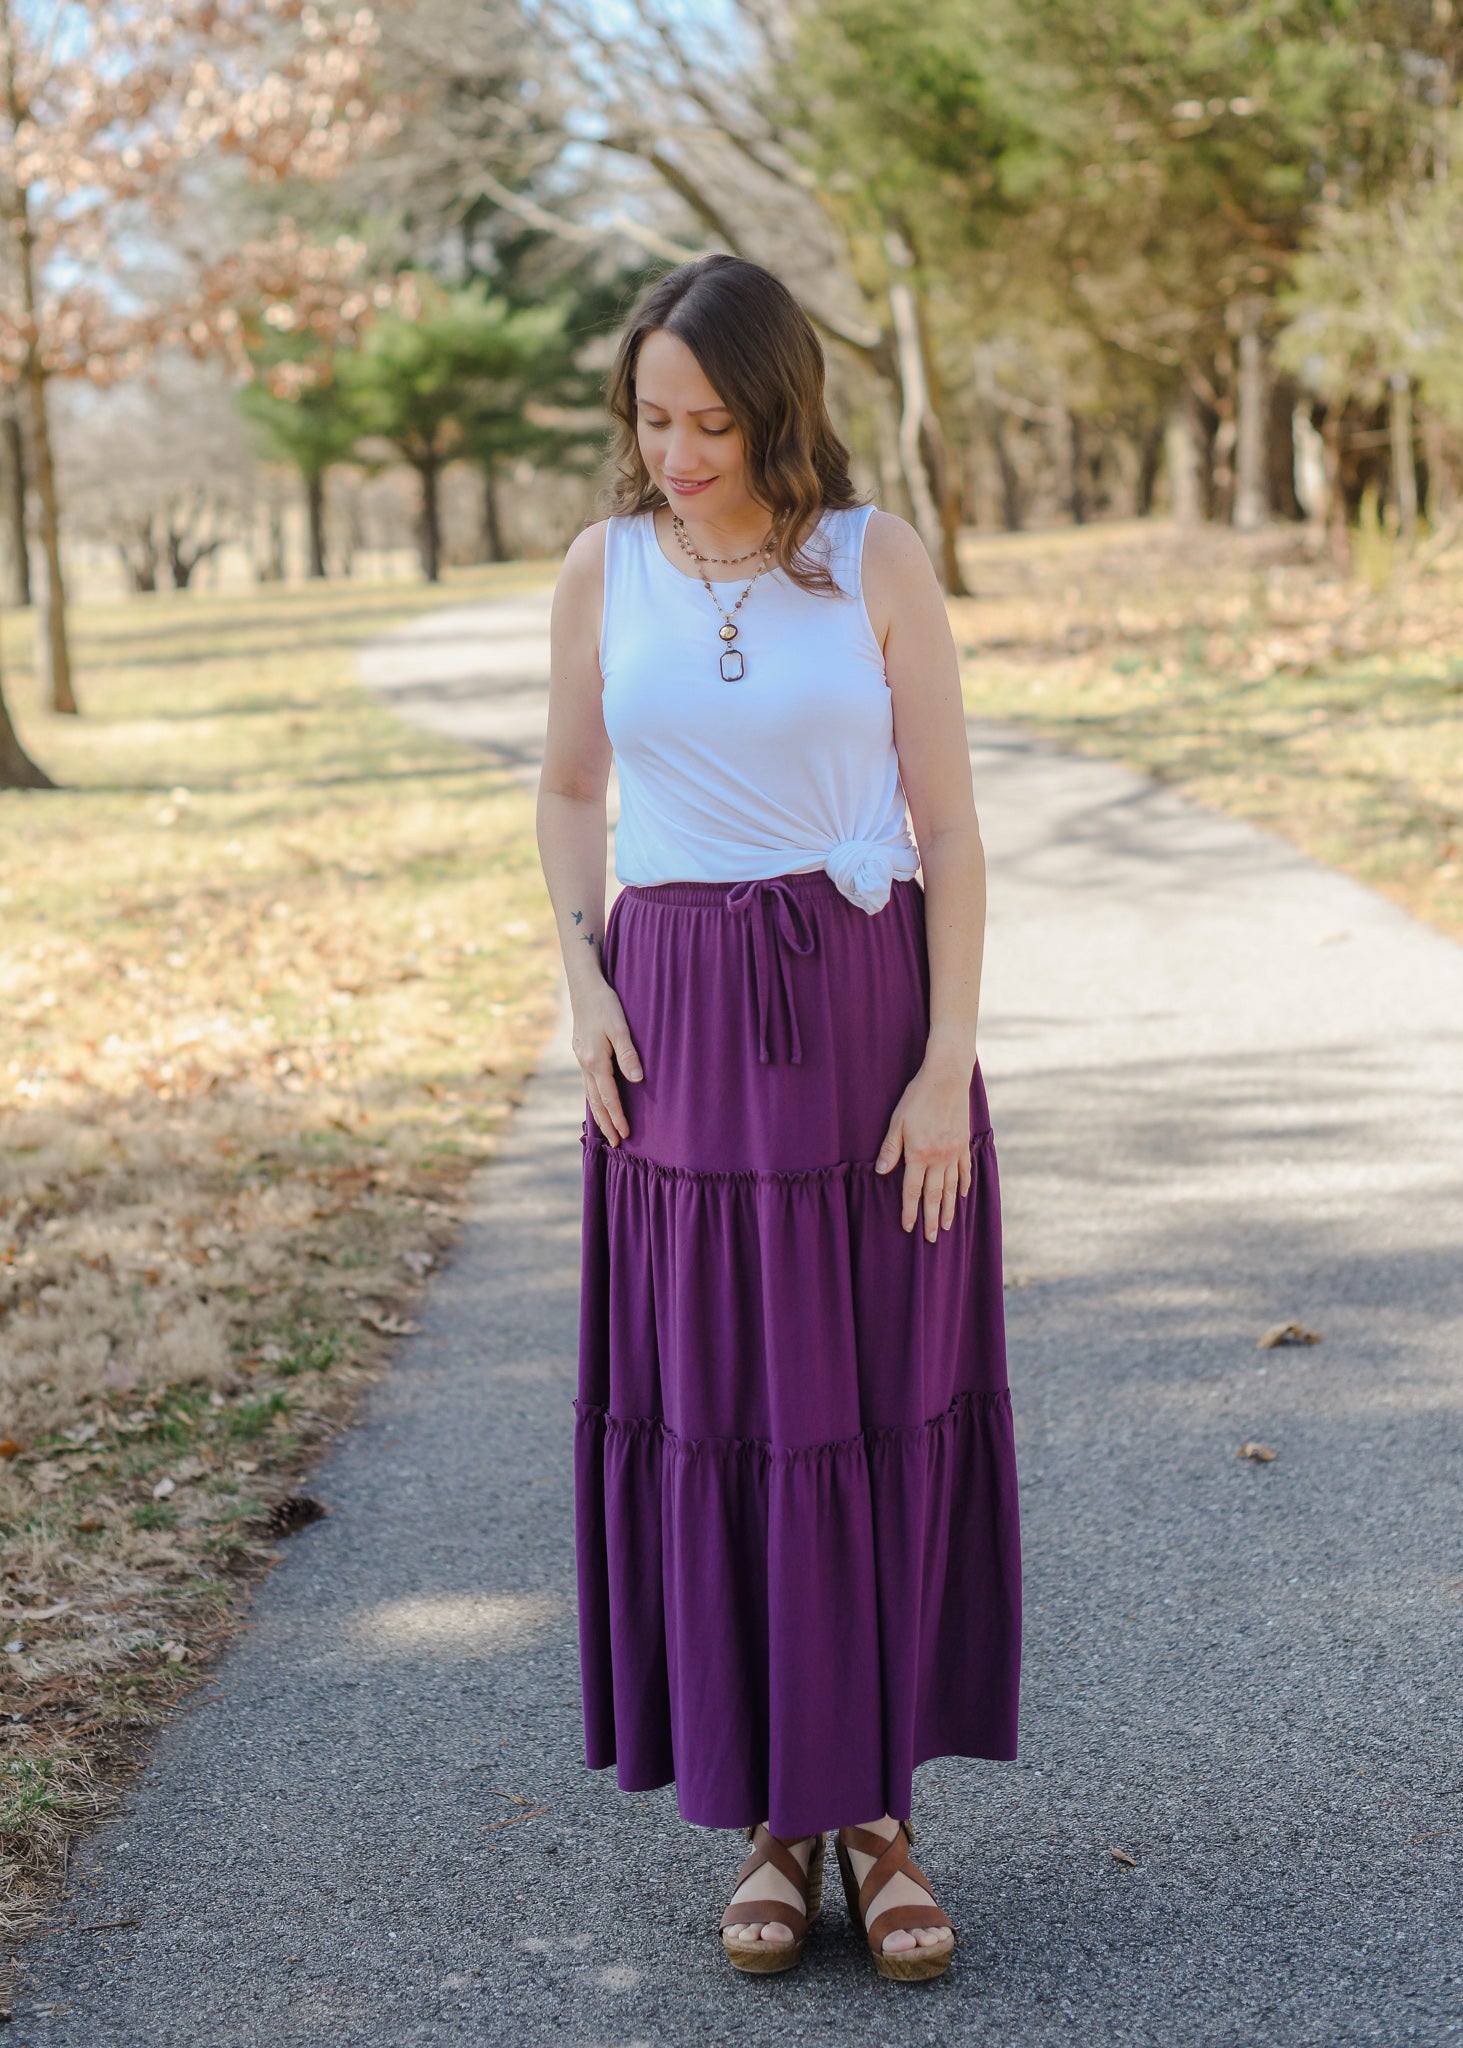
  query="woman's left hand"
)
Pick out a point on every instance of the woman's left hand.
point(930, 1127)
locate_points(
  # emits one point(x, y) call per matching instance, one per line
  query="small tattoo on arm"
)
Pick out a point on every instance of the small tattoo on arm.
point(577, 915)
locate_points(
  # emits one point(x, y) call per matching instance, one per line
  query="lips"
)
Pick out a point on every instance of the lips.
point(689, 485)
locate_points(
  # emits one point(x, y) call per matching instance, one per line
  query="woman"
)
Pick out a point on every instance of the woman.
point(795, 1489)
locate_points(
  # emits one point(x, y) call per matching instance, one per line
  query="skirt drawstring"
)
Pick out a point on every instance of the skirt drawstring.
point(778, 920)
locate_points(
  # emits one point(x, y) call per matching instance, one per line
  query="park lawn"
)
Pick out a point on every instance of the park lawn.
point(273, 969)
point(1249, 675)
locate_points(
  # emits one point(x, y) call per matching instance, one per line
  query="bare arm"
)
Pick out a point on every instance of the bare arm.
point(931, 1122)
point(572, 825)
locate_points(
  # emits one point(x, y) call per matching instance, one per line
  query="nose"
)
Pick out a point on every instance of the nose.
point(681, 457)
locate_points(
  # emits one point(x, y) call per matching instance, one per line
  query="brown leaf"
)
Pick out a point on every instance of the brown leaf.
point(9, 1448)
point(390, 1326)
point(1287, 1333)
point(1128, 1862)
point(1261, 1454)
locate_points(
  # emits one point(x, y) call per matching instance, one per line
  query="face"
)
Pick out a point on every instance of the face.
point(688, 440)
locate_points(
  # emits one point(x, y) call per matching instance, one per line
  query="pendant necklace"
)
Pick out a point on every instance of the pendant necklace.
point(733, 662)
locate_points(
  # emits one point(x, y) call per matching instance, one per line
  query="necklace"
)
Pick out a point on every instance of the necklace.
point(679, 526)
point(733, 662)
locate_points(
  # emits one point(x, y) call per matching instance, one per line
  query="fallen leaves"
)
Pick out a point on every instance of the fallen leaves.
point(1287, 1333)
point(388, 1325)
point(1121, 1856)
point(1258, 1454)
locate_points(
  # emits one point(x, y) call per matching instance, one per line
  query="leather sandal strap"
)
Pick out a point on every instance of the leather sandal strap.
point(772, 1849)
point(759, 1912)
point(897, 1919)
point(775, 1850)
point(892, 1858)
point(889, 1859)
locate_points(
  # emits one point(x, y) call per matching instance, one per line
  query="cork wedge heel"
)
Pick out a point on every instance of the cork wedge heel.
point(891, 1858)
point(765, 1958)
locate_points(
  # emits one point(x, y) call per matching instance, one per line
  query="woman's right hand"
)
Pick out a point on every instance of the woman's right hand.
point(601, 1041)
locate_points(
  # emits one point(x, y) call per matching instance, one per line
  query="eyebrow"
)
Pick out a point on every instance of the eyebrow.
point(656, 406)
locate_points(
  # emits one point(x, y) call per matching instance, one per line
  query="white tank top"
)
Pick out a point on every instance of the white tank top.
point(789, 769)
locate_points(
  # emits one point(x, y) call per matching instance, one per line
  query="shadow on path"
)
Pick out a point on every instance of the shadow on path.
point(1227, 1093)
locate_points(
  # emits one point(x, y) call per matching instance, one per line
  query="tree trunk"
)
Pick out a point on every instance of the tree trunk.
point(17, 539)
point(912, 393)
point(893, 491)
point(140, 557)
point(1076, 481)
point(315, 518)
point(1441, 497)
point(1338, 537)
point(923, 456)
point(17, 769)
point(16, 204)
point(493, 549)
point(1150, 462)
point(1281, 454)
point(270, 565)
point(1251, 492)
point(1183, 456)
point(993, 421)
point(1404, 465)
point(430, 527)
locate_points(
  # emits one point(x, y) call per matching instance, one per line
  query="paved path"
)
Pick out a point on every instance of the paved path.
point(1228, 1091)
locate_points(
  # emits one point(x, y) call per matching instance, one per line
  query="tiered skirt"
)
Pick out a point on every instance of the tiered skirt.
point(796, 1512)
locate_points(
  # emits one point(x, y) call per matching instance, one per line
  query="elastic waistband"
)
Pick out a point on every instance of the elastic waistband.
point(713, 895)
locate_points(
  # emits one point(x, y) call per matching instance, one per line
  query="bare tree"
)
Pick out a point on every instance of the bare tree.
point(109, 117)
point(690, 152)
point(158, 468)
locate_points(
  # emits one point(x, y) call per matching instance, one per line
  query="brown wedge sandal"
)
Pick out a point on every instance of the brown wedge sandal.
point(911, 1965)
point(764, 1957)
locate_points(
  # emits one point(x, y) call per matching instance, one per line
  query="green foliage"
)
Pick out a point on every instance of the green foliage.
point(446, 367)
point(1131, 168)
point(1379, 293)
point(252, 1418)
point(308, 421)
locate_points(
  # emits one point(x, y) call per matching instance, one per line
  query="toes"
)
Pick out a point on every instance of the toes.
point(897, 1943)
point(775, 1931)
point(932, 1937)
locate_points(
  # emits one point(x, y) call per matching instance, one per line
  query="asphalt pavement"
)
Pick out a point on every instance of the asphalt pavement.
point(1227, 1089)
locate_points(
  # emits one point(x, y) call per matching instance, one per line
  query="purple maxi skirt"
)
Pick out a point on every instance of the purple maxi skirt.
point(796, 1515)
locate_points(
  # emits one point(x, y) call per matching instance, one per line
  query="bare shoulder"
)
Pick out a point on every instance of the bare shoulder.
point(898, 576)
point(579, 589)
point(891, 540)
point(582, 568)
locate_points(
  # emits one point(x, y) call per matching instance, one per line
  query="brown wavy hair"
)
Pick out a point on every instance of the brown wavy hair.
point(763, 359)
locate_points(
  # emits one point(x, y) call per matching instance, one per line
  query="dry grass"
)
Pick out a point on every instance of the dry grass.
point(1249, 673)
point(272, 970)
